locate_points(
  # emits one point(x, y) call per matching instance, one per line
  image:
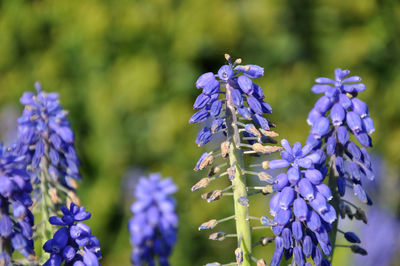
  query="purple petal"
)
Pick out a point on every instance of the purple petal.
point(337, 114)
point(300, 209)
point(324, 80)
point(323, 104)
point(320, 88)
point(360, 107)
point(245, 84)
point(306, 189)
point(201, 101)
point(354, 122)
point(314, 176)
point(287, 198)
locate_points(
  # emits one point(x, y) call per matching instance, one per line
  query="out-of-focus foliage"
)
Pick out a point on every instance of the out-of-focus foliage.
point(126, 71)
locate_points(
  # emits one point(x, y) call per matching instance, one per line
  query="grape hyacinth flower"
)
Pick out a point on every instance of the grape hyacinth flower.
point(232, 106)
point(245, 96)
point(335, 117)
point(302, 214)
point(153, 227)
point(73, 243)
point(16, 219)
point(45, 135)
point(46, 139)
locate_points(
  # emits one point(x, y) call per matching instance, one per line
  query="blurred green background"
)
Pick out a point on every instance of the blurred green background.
point(126, 70)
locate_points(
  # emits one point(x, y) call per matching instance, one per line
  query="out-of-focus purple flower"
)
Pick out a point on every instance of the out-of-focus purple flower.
point(300, 207)
point(380, 239)
point(45, 137)
point(16, 219)
point(153, 227)
point(73, 243)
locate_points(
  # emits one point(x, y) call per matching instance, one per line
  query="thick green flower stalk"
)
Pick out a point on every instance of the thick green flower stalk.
point(232, 106)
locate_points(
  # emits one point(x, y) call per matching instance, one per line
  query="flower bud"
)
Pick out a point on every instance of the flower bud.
point(225, 149)
point(269, 133)
point(245, 84)
point(239, 256)
point(354, 122)
point(297, 230)
point(261, 262)
point(231, 172)
point(208, 225)
point(359, 250)
point(352, 237)
point(244, 201)
point(265, 177)
point(265, 220)
point(266, 240)
point(300, 209)
point(257, 147)
point(251, 129)
point(203, 183)
point(220, 236)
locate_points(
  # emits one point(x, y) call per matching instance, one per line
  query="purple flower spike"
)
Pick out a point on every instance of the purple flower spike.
point(235, 84)
point(45, 135)
point(153, 228)
point(349, 164)
point(301, 192)
point(16, 219)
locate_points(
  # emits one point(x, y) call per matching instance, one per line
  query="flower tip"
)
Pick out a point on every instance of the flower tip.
point(238, 61)
point(38, 86)
point(227, 57)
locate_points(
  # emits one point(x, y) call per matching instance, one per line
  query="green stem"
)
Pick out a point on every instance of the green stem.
point(46, 205)
point(46, 232)
point(243, 229)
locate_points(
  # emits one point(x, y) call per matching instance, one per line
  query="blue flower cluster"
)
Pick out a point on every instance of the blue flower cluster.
point(16, 219)
point(73, 243)
point(302, 214)
point(46, 138)
point(240, 92)
point(347, 114)
point(153, 227)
